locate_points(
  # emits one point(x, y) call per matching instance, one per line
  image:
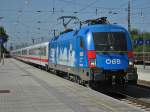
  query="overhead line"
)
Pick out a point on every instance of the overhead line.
point(84, 8)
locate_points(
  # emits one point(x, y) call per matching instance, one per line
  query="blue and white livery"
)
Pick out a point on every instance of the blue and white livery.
point(97, 52)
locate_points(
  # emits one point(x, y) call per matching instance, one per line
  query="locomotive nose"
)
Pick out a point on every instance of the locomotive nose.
point(112, 61)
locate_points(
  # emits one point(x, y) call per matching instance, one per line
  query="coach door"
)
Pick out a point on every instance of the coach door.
point(81, 51)
point(82, 63)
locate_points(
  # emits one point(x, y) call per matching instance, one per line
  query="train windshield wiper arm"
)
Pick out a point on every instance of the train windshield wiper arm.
point(104, 48)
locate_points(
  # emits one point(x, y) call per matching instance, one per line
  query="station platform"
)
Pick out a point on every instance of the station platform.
point(24, 88)
point(143, 73)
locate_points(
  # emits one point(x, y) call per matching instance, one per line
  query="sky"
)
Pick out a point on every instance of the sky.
point(25, 20)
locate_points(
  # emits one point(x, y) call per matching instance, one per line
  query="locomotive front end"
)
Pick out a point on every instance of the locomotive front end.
point(110, 55)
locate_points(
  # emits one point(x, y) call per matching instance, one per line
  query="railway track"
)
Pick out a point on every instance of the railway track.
point(137, 95)
point(134, 101)
point(142, 83)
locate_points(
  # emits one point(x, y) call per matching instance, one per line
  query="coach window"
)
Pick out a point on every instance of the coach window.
point(44, 51)
point(40, 51)
point(19, 52)
point(30, 52)
point(24, 52)
point(81, 43)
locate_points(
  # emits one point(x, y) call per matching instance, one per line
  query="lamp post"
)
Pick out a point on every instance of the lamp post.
point(1, 41)
point(0, 48)
point(142, 18)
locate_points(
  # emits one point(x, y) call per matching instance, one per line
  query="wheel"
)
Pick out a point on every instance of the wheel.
point(46, 68)
point(133, 82)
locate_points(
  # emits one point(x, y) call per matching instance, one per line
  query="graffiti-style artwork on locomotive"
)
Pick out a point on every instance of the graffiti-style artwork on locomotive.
point(65, 55)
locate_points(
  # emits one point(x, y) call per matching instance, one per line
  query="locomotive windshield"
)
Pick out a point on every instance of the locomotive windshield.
point(110, 41)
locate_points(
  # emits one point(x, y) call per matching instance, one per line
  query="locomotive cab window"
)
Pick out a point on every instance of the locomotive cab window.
point(110, 41)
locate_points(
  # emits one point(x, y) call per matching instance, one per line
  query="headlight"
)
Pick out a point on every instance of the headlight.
point(131, 63)
point(93, 62)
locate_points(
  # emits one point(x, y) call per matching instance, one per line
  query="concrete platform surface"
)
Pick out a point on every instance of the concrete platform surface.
point(24, 88)
point(143, 74)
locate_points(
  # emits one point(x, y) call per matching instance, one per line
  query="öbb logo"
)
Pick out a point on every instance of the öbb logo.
point(113, 61)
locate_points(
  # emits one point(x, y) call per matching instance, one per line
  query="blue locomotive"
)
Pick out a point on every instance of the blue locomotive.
point(99, 52)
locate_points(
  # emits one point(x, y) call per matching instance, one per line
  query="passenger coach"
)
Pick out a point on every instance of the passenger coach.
point(35, 54)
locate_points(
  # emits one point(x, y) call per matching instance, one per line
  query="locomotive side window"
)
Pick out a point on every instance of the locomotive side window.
point(81, 43)
point(110, 41)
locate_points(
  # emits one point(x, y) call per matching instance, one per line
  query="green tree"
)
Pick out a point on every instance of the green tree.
point(136, 34)
point(4, 36)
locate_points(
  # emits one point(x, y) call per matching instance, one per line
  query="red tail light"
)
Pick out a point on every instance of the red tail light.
point(91, 54)
point(91, 58)
point(130, 54)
